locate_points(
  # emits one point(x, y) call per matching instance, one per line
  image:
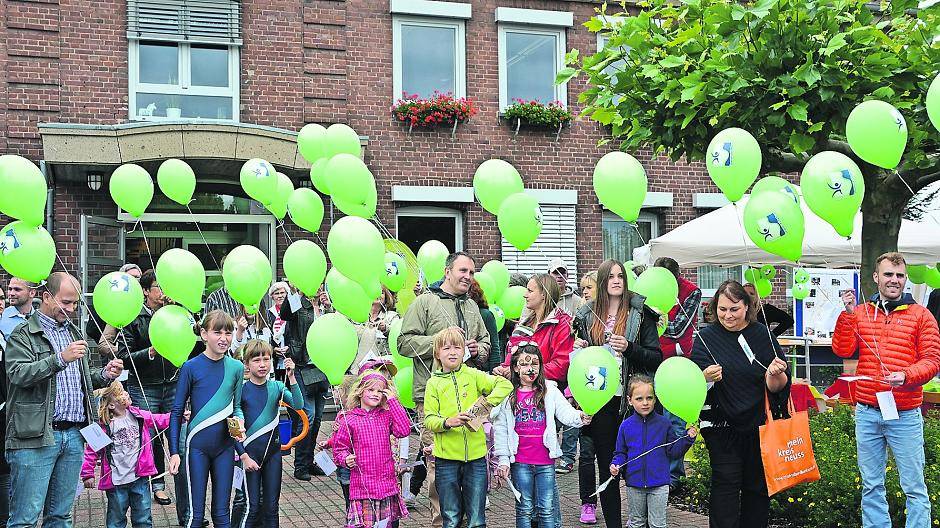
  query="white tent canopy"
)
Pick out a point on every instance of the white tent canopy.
point(718, 239)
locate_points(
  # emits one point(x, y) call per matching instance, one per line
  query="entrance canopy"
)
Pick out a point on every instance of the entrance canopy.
point(718, 239)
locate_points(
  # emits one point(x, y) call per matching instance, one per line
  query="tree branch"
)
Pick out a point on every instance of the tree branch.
point(926, 180)
point(784, 161)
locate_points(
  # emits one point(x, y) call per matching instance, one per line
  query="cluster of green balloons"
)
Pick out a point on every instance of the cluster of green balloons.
point(247, 274)
point(499, 189)
point(760, 278)
point(774, 221)
point(924, 274)
point(27, 250)
point(337, 169)
point(800, 287)
point(505, 301)
point(877, 133)
point(620, 184)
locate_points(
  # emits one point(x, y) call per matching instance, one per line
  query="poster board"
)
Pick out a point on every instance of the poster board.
point(816, 314)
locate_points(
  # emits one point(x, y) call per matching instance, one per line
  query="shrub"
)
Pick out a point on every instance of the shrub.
point(439, 109)
point(834, 500)
point(534, 113)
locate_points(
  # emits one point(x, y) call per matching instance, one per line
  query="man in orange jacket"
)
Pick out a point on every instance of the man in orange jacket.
point(899, 351)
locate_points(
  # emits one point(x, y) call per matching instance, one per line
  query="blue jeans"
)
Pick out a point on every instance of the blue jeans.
point(45, 479)
point(905, 437)
point(569, 443)
point(135, 496)
point(536, 484)
point(461, 487)
point(159, 399)
point(676, 465)
point(4, 497)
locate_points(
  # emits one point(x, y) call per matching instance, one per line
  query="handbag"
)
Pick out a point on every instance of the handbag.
point(786, 450)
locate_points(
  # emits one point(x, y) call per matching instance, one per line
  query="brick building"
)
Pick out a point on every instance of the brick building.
point(89, 85)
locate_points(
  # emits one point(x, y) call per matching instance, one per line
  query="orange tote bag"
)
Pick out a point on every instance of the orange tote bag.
point(787, 450)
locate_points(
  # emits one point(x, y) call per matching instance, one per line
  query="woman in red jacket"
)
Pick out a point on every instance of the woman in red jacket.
point(547, 326)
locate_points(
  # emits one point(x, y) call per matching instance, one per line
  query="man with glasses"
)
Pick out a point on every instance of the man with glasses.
point(20, 294)
point(49, 400)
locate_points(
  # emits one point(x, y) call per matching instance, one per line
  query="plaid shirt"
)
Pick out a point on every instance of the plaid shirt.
point(69, 394)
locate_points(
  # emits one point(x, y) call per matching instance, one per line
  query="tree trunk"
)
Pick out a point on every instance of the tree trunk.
point(884, 204)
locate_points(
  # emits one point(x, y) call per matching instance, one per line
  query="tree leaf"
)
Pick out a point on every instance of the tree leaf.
point(673, 61)
point(801, 143)
point(797, 110)
point(565, 75)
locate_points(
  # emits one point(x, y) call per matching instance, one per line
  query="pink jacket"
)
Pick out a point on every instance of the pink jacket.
point(366, 435)
point(145, 465)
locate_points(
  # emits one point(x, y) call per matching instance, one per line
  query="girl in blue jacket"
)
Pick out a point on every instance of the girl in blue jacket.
point(645, 444)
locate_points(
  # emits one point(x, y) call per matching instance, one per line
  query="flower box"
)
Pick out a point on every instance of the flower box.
point(435, 111)
point(552, 116)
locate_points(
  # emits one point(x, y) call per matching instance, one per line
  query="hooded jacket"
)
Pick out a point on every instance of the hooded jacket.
point(637, 435)
point(903, 334)
point(430, 313)
point(145, 463)
point(555, 341)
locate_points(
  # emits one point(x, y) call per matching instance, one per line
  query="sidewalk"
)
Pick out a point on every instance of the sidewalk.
point(319, 504)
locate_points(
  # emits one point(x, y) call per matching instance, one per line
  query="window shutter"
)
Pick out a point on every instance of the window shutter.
point(199, 21)
point(558, 240)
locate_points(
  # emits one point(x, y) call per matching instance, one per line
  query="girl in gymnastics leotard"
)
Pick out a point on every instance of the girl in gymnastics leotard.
point(212, 384)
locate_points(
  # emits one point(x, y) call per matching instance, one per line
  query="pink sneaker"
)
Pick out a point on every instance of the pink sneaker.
point(588, 514)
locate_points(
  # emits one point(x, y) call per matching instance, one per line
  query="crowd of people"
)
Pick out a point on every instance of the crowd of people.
point(492, 406)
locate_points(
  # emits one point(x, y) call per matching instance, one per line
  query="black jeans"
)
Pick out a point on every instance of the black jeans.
point(738, 497)
point(603, 434)
point(313, 405)
point(587, 472)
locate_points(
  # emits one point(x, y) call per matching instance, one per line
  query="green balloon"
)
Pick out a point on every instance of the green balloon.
point(285, 189)
point(28, 202)
point(877, 133)
point(775, 224)
point(131, 188)
point(499, 315)
point(341, 139)
point(311, 142)
point(660, 288)
point(349, 297)
point(487, 286)
point(318, 175)
point(933, 102)
point(118, 298)
point(500, 275)
point(593, 378)
point(396, 272)
point(768, 271)
point(26, 252)
point(763, 288)
point(681, 387)
point(776, 183)
point(733, 161)
point(177, 180)
point(432, 256)
point(520, 220)
point(305, 266)
point(494, 181)
point(259, 180)
point(752, 275)
point(351, 185)
point(247, 274)
point(332, 345)
point(800, 291)
point(932, 277)
point(833, 188)
point(394, 332)
point(306, 209)
point(916, 273)
point(512, 302)
point(171, 333)
point(404, 380)
point(356, 249)
point(800, 275)
point(182, 278)
point(620, 184)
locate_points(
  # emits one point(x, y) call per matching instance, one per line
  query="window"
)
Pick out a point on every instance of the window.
point(529, 59)
point(417, 225)
point(557, 240)
point(178, 80)
point(429, 56)
point(621, 238)
point(711, 277)
point(614, 67)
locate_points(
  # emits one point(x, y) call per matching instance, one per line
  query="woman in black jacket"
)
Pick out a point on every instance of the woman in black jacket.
point(619, 321)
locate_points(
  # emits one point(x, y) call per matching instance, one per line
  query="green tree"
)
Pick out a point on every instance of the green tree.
point(788, 71)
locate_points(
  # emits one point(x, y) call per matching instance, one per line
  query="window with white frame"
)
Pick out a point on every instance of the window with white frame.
point(621, 237)
point(183, 59)
point(415, 225)
point(429, 55)
point(529, 59)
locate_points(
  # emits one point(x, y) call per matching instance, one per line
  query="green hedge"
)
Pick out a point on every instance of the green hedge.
point(835, 500)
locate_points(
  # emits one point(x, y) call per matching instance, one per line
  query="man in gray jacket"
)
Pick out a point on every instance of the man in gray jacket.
point(49, 401)
point(441, 307)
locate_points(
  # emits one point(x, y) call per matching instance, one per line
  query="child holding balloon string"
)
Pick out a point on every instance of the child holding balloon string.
point(525, 438)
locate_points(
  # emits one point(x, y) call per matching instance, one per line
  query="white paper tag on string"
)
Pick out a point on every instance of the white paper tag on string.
point(466, 353)
point(294, 302)
point(603, 486)
point(411, 465)
point(124, 375)
point(238, 478)
point(404, 448)
point(889, 408)
point(325, 462)
point(382, 524)
point(747, 348)
point(514, 491)
point(81, 488)
point(95, 436)
point(406, 481)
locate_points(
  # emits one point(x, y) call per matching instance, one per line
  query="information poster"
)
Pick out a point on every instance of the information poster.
point(816, 314)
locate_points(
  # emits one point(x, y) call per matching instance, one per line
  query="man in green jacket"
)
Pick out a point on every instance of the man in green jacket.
point(49, 400)
point(441, 307)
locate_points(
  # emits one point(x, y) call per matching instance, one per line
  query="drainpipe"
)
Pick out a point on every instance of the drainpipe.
point(49, 195)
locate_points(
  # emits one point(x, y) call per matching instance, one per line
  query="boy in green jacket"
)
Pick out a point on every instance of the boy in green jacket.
point(452, 412)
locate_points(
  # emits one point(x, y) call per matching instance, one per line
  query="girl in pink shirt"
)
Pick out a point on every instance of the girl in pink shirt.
point(361, 443)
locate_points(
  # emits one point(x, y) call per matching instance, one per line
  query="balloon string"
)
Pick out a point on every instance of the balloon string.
point(143, 234)
point(204, 241)
point(607, 482)
point(747, 254)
